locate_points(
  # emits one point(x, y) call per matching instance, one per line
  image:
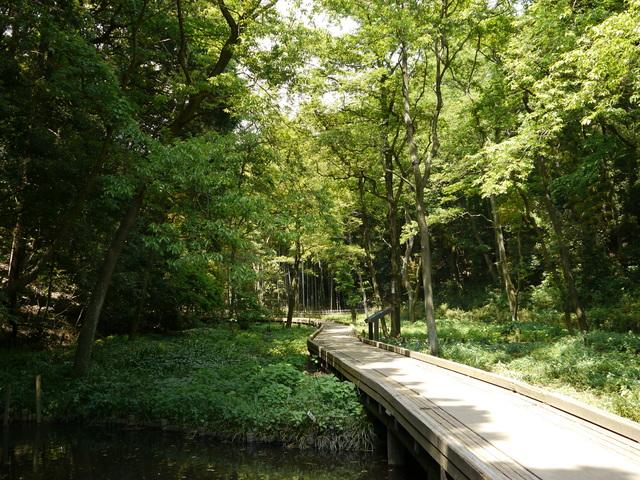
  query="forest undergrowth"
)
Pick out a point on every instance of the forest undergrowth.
point(241, 385)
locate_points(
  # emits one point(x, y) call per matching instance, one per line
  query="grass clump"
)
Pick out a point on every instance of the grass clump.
point(239, 385)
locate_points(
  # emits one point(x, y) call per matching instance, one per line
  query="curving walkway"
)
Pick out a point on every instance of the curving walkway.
point(475, 429)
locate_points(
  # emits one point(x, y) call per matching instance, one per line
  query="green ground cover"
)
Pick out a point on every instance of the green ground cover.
point(599, 367)
point(228, 382)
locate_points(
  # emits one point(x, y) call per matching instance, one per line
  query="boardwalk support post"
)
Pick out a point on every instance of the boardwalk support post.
point(395, 450)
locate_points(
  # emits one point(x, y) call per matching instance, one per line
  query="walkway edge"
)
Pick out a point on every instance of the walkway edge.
point(594, 415)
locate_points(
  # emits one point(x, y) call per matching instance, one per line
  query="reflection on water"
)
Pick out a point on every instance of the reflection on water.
point(72, 453)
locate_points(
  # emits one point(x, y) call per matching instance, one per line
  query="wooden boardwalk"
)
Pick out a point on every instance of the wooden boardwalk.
point(474, 428)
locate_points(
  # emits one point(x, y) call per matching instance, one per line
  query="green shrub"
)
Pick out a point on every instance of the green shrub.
point(231, 382)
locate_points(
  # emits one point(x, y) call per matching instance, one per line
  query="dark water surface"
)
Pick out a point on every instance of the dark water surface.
point(74, 453)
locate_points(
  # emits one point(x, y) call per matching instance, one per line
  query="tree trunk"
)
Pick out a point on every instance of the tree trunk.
point(394, 237)
point(16, 261)
point(420, 184)
point(96, 302)
point(503, 264)
point(292, 294)
point(427, 283)
point(563, 250)
point(363, 292)
point(142, 301)
point(546, 259)
point(451, 257)
point(14, 286)
point(416, 291)
point(386, 156)
point(323, 289)
point(487, 260)
point(49, 292)
point(330, 292)
point(406, 281)
point(366, 234)
point(314, 280)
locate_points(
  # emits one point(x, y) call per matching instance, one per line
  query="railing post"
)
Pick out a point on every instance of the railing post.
point(374, 324)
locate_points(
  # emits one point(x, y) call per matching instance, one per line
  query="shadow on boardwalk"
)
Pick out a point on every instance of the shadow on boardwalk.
point(477, 424)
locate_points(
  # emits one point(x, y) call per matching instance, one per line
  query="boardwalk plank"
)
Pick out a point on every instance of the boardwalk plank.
point(475, 428)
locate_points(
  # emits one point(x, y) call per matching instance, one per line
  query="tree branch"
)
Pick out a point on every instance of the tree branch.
point(182, 52)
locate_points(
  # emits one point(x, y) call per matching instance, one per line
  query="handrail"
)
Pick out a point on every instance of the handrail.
point(373, 322)
point(602, 418)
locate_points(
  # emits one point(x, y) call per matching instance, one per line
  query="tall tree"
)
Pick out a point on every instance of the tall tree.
point(185, 119)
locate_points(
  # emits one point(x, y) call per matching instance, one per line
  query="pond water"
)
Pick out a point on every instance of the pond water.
point(74, 453)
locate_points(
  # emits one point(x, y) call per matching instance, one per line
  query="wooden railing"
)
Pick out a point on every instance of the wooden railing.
point(432, 432)
point(374, 323)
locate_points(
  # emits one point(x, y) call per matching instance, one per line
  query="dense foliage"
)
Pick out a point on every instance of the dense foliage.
point(521, 124)
point(169, 162)
point(224, 382)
